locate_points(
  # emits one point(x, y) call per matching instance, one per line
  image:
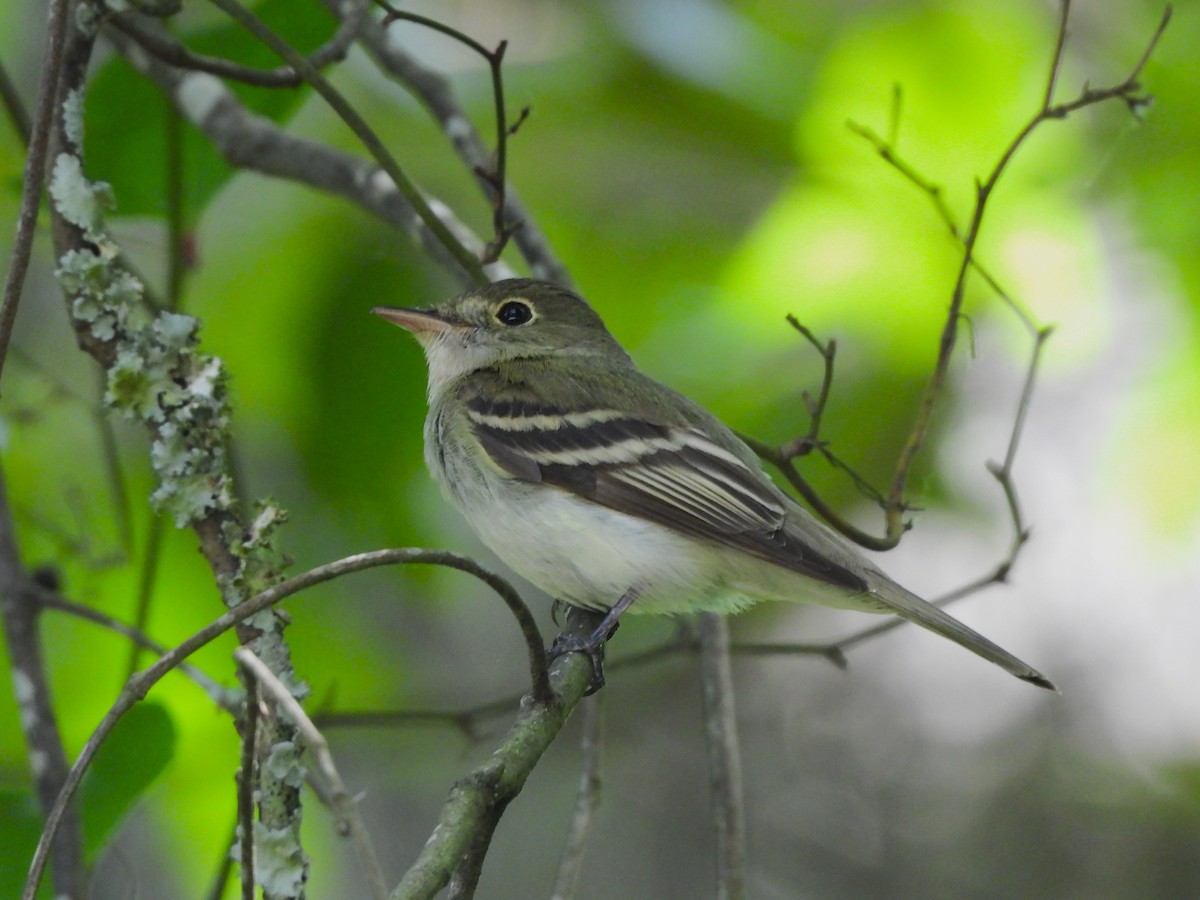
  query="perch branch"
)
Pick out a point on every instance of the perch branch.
point(894, 504)
point(454, 853)
point(254, 143)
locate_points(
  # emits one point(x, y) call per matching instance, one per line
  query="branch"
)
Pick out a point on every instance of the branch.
point(894, 504)
point(494, 178)
point(157, 377)
point(1126, 90)
point(228, 700)
point(247, 778)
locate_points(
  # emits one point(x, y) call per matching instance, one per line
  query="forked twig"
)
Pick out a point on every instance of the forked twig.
point(496, 177)
point(894, 504)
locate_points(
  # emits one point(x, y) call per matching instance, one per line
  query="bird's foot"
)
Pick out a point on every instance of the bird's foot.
point(591, 646)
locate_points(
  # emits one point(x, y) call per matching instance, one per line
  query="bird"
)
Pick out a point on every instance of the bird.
point(611, 491)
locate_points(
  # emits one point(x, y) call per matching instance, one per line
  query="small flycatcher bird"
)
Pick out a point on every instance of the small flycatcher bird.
point(612, 492)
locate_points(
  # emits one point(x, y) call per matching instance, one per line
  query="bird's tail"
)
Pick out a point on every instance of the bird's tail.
point(909, 606)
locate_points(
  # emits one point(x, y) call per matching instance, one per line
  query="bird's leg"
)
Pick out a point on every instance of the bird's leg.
point(593, 645)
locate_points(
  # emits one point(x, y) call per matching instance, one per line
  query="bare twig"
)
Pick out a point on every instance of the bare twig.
point(220, 877)
point(570, 865)
point(1128, 91)
point(470, 721)
point(110, 453)
point(35, 171)
point(146, 578)
point(724, 756)
point(141, 683)
point(349, 823)
point(894, 504)
point(495, 177)
point(178, 258)
point(226, 699)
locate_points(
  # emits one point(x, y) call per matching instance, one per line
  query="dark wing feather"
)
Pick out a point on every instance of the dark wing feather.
point(672, 475)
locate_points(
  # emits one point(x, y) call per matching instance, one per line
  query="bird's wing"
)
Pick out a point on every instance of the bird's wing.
point(674, 475)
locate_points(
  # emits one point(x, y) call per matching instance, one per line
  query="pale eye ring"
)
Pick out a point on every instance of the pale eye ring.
point(514, 313)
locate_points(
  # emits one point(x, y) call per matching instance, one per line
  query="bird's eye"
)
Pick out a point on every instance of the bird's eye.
point(514, 312)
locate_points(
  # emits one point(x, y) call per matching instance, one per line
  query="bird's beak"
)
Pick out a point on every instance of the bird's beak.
point(421, 322)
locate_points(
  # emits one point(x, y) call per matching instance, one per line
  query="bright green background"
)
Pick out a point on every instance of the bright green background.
point(689, 163)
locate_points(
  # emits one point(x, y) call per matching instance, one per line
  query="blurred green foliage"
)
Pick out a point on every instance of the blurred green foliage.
point(691, 165)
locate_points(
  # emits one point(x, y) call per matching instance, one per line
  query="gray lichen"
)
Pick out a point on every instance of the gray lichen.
point(157, 375)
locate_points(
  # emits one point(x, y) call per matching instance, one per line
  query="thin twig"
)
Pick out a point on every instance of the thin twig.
point(177, 256)
point(495, 178)
point(149, 572)
point(255, 143)
point(350, 823)
point(570, 865)
point(220, 878)
point(894, 504)
point(110, 453)
point(726, 797)
point(35, 171)
point(471, 720)
point(1126, 90)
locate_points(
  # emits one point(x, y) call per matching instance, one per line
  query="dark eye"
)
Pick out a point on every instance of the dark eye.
point(514, 312)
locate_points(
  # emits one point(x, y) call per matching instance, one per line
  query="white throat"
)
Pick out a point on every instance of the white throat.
point(450, 357)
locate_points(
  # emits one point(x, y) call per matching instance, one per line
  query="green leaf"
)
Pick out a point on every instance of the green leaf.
point(137, 752)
